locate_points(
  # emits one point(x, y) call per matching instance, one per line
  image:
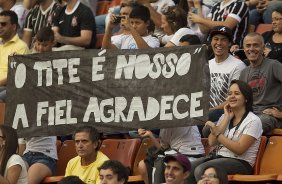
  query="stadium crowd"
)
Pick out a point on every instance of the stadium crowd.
point(245, 84)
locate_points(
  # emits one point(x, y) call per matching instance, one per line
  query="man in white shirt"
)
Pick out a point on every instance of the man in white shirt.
point(223, 69)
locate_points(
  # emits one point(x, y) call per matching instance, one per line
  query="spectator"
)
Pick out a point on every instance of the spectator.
point(197, 7)
point(10, 44)
point(273, 39)
point(157, 7)
point(103, 20)
point(230, 13)
point(213, 175)
point(189, 40)
point(12, 167)
point(186, 140)
point(236, 135)
point(75, 25)
point(113, 172)
point(125, 10)
point(262, 12)
point(40, 153)
point(265, 78)
point(177, 169)
point(71, 180)
point(38, 17)
point(89, 158)
point(137, 23)
point(223, 69)
point(18, 8)
point(174, 25)
point(44, 40)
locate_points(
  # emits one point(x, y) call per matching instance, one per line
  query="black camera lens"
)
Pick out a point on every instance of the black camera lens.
point(117, 19)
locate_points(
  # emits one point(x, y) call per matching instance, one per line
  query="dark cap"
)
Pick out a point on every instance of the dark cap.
point(182, 159)
point(223, 30)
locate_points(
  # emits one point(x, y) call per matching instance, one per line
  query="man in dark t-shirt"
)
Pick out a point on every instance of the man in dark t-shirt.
point(75, 25)
point(39, 17)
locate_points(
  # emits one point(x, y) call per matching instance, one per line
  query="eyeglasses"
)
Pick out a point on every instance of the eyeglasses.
point(209, 176)
point(3, 24)
point(276, 19)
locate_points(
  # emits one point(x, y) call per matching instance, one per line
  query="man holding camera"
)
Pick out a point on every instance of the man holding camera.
point(136, 24)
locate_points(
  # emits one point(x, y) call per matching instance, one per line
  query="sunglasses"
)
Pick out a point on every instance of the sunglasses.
point(3, 24)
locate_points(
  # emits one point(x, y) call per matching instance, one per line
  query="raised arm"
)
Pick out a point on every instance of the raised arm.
point(147, 133)
point(106, 43)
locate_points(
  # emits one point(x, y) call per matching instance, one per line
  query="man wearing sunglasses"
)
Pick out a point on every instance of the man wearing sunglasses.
point(10, 44)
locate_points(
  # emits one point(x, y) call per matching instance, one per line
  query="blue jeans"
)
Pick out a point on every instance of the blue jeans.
point(256, 18)
point(36, 157)
point(269, 122)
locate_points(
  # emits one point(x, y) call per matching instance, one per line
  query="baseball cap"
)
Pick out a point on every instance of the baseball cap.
point(182, 159)
point(223, 30)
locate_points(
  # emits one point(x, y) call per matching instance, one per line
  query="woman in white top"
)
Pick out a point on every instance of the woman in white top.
point(12, 167)
point(236, 135)
point(174, 24)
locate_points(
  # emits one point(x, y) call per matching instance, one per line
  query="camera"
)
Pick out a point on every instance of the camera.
point(118, 19)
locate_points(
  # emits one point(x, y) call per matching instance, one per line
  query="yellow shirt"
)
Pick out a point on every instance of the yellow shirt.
point(14, 46)
point(89, 174)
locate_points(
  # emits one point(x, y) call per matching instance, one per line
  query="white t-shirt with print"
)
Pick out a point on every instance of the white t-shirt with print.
point(123, 41)
point(221, 75)
point(187, 140)
point(251, 126)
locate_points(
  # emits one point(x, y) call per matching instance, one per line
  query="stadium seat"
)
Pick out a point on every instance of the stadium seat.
point(263, 28)
point(115, 3)
point(2, 112)
point(277, 131)
point(59, 145)
point(270, 165)
point(66, 152)
point(260, 153)
point(123, 150)
point(141, 154)
point(52, 179)
point(102, 7)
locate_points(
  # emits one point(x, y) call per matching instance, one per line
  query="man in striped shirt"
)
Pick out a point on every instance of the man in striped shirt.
point(38, 17)
point(230, 13)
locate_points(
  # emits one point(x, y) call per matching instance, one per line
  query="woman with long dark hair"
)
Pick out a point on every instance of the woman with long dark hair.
point(12, 166)
point(236, 135)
